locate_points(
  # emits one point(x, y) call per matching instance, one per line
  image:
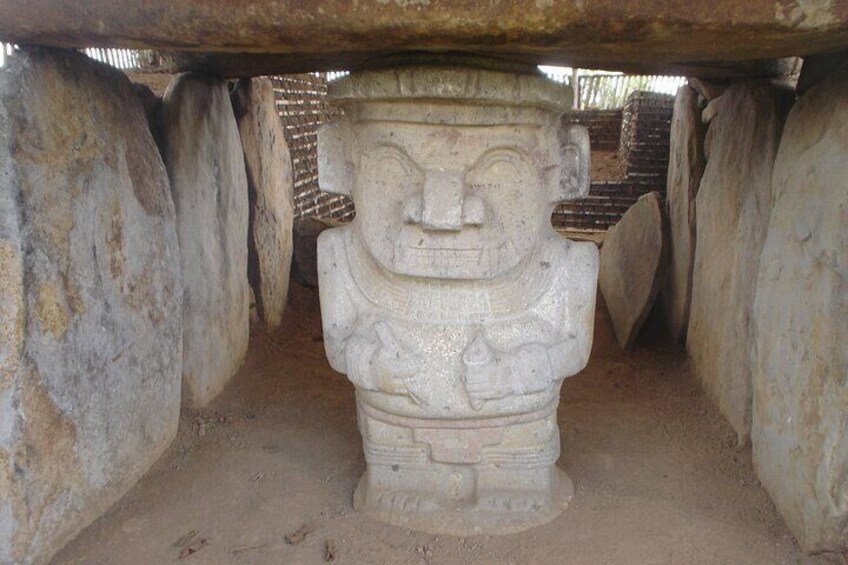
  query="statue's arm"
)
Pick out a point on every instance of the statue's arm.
point(339, 315)
point(534, 366)
point(573, 313)
point(368, 353)
point(376, 360)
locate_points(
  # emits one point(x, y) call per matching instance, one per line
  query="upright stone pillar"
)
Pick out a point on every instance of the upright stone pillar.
point(449, 301)
point(732, 214)
point(205, 162)
point(90, 299)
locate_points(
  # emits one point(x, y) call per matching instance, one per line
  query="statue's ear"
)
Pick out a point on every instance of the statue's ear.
point(576, 161)
point(335, 171)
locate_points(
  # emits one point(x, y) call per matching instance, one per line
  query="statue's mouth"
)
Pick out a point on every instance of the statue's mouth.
point(479, 257)
point(463, 256)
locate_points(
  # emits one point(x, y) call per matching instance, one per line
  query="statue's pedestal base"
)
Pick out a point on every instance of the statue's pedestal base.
point(462, 477)
point(495, 514)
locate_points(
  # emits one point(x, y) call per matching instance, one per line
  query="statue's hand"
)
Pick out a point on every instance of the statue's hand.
point(393, 364)
point(485, 378)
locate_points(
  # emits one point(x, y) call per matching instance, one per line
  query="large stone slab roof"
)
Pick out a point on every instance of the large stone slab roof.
point(705, 38)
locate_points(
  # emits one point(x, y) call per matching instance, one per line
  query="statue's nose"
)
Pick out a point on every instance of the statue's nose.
point(443, 205)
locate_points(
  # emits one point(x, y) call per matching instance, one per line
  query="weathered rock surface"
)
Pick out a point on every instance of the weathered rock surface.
point(685, 168)
point(800, 359)
point(708, 89)
point(90, 325)
point(733, 205)
point(270, 190)
point(152, 104)
point(634, 258)
point(709, 112)
point(276, 36)
point(205, 163)
point(305, 261)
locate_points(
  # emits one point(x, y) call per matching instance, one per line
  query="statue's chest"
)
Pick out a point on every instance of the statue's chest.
point(441, 341)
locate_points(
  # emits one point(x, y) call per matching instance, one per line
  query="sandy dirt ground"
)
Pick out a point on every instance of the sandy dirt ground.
point(658, 475)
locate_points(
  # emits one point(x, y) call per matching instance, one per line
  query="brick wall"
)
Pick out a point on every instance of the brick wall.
point(302, 104)
point(604, 126)
point(644, 145)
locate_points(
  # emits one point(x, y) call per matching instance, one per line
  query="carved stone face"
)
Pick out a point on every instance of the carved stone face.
point(452, 201)
point(454, 184)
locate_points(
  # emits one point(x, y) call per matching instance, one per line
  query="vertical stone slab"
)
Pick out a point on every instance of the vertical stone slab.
point(12, 324)
point(685, 168)
point(90, 345)
point(733, 205)
point(800, 359)
point(707, 89)
point(634, 259)
point(270, 189)
point(205, 162)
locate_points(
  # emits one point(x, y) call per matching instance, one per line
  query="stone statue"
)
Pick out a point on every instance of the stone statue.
point(449, 301)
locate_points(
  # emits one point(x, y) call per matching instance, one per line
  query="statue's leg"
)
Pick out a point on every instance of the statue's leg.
point(519, 476)
point(462, 477)
point(400, 478)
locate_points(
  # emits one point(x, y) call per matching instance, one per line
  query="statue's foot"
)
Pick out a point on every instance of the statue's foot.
point(513, 502)
point(404, 501)
point(488, 511)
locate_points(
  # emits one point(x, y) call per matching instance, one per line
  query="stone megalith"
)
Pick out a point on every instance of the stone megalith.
point(90, 324)
point(152, 104)
point(449, 301)
point(269, 184)
point(707, 89)
point(800, 323)
point(634, 258)
point(685, 168)
point(732, 209)
point(205, 163)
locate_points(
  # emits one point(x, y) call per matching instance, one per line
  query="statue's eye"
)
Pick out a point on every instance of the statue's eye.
point(388, 164)
point(502, 169)
point(498, 168)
